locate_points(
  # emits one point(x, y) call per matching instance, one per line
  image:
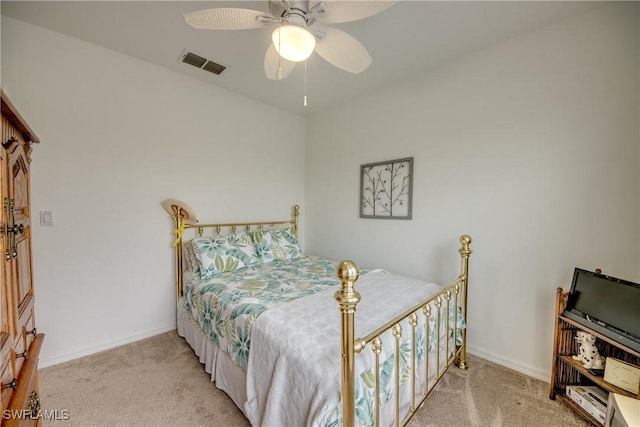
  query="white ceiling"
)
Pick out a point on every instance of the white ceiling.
point(406, 39)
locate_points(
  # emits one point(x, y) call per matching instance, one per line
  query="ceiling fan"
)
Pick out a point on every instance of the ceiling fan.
point(299, 31)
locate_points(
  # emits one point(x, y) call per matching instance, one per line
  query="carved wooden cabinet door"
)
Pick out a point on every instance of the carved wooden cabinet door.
point(19, 250)
point(20, 345)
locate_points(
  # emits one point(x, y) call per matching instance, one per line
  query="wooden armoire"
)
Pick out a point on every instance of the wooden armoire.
point(20, 343)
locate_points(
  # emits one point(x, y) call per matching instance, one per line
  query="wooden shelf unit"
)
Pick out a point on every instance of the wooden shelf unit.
point(567, 371)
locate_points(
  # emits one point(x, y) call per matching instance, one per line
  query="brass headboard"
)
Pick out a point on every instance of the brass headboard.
point(185, 218)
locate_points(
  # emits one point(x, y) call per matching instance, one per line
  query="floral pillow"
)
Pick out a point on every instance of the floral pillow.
point(217, 255)
point(276, 244)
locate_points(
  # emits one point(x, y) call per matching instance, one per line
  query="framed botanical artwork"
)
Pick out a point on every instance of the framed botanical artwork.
point(386, 189)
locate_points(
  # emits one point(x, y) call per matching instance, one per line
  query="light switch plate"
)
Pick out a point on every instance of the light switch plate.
point(46, 218)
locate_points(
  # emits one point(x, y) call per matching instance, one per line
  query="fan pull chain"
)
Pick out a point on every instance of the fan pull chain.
point(305, 83)
point(279, 56)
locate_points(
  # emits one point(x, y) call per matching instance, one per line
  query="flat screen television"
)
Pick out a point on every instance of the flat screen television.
point(607, 305)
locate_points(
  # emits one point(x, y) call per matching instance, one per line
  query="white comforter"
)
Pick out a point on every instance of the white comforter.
point(293, 373)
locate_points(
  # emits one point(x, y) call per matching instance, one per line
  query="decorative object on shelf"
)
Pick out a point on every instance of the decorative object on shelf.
point(386, 189)
point(622, 374)
point(590, 398)
point(588, 353)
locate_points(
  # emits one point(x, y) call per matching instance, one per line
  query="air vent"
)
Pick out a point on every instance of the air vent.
point(193, 59)
point(214, 68)
point(202, 63)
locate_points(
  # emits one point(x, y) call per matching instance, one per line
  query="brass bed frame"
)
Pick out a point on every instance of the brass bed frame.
point(347, 298)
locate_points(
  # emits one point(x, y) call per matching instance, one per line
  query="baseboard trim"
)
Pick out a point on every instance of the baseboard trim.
point(492, 357)
point(55, 360)
point(508, 363)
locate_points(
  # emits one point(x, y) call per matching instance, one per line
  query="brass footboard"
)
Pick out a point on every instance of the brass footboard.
point(454, 295)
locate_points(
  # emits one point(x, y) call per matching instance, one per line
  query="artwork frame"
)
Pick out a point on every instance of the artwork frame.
point(386, 189)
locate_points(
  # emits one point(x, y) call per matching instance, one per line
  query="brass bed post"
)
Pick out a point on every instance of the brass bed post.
point(179, 223)
point(348, 299)
point(465, 251)
point(183, 217)
point(296, 214)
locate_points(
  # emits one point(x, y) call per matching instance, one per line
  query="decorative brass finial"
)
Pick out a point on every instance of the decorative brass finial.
point(466, 240)
point(347, 296)
point(348, 271)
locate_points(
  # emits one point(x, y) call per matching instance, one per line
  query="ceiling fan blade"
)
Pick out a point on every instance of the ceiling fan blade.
point(336, 11)
point(342, 50)
point(273, 61)
point(228, 19)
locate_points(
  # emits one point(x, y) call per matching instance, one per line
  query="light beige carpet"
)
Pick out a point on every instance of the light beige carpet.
point(159, 382)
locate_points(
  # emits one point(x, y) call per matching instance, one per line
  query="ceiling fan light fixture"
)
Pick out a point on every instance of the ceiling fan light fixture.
point(293, 43)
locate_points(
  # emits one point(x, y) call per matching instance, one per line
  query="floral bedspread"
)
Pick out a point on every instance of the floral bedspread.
point(226, 305)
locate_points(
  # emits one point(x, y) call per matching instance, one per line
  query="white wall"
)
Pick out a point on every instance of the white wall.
point(118, 136)
point(531, 146)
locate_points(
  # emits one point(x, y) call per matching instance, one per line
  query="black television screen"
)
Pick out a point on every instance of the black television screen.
point(607, 305)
